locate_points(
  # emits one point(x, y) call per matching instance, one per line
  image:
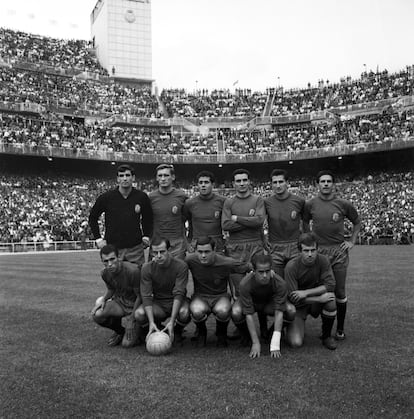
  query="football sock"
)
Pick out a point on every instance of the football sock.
point(221, 328)
point(327, 324)
point(341, 313)
point(114, 323)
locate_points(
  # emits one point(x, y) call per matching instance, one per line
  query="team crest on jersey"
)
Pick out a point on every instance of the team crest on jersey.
point(252, 212)
point(293, 215)
point(174, 209)
point(216, 214)
point(335, 217)
point(137, 208)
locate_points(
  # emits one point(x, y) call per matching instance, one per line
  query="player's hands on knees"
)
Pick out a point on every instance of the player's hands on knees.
point(145, 241)
point(296, 296)
point(275, 354)
point(327, 297)
point(100, 243)
point(99, 306)
point(255, 350)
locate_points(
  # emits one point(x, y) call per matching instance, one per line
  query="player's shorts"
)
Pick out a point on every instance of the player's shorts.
point(338, 258)
point(126, 305)
point(314, 309)
point(210, 300)
point(133, 254)
point(178, 248)
point(244, 251)
point(283, 252)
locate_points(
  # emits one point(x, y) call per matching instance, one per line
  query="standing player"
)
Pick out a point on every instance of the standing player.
point(328, 212)
point(128, 218)
point(210, 272)
point(310, 282)
point(284, 212)
point(261, 291)
point(121, 300)
point(243, 217)
point(163, 290)
point(168, 208)
point(204, 212)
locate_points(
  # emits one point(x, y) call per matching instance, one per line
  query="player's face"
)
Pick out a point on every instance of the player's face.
point(205, 186)
point(263, 273)
point(279, 184)
point(205, 253)
point(309, 254)
point(160, 253)
point(164, 178)
point(326, 184)
point(241, 183)
point(125, 179)
point(111, 262)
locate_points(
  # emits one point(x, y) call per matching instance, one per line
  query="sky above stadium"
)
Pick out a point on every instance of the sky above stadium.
point(248, 44)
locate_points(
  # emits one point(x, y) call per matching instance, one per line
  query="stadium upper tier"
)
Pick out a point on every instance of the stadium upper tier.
point(36, 208)
point(65, 74)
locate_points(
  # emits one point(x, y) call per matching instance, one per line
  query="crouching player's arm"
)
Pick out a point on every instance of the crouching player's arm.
point(256, 348)
point(277, 332)
point(101, 301)
point(130, 320)
point(169, 327)
point(308, 296)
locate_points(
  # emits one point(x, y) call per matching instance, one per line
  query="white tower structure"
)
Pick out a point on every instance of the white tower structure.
point(121, 35)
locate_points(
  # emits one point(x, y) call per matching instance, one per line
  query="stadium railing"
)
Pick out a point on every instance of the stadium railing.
point(46, 246)
point(77, 153)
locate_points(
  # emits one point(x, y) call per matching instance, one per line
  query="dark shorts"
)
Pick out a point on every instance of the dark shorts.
point(244, 251)
point(283, 252)
point(338, 258)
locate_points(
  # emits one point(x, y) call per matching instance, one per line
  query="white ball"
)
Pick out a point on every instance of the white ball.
point(158, 343)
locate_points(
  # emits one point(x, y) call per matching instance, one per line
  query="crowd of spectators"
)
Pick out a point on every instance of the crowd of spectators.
point(60, 53)
point(76, 95)
point(55, 208)
point(215, 104)
point(16, 129)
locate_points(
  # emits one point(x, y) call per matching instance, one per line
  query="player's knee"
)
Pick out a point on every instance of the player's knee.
point(222, 310)
point(237, 313)
point(184, 314)
point(140, 315)
point(294, 340)
point(329, 307)
point(198, 310)
point(290, 313)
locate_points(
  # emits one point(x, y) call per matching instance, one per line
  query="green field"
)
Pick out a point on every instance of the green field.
point(55, 362)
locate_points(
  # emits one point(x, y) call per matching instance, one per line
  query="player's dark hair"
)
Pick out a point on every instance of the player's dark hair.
point(124, 167)
point(279, 172)
point(262, 259)
point(107, 249)
point(206, 173)
point(325, 173)
point(205, 240)
point(307, 239)
point(156, 241)
point(165, 166)
point(241, 172)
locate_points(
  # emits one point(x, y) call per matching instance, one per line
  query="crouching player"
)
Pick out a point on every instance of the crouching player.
point(261, 291)
point(211, 272)
point(163, 290)
point(122, 298)
point(311, 286)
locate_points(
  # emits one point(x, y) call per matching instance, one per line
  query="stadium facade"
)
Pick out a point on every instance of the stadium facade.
point(121, 35)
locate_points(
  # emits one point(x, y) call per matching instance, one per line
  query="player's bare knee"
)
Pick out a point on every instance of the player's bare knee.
point(140, 315)
point(294, 340)
point(290, 312)
point(237, 313)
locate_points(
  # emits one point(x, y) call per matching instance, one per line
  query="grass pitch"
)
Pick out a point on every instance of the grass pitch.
point(55, 362)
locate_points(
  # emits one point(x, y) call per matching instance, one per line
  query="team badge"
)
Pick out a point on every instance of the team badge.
point(252, 212)
point(216, 214)
point(293, 215)
point(137, 208)
point(174, 209)
point(335, 217)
